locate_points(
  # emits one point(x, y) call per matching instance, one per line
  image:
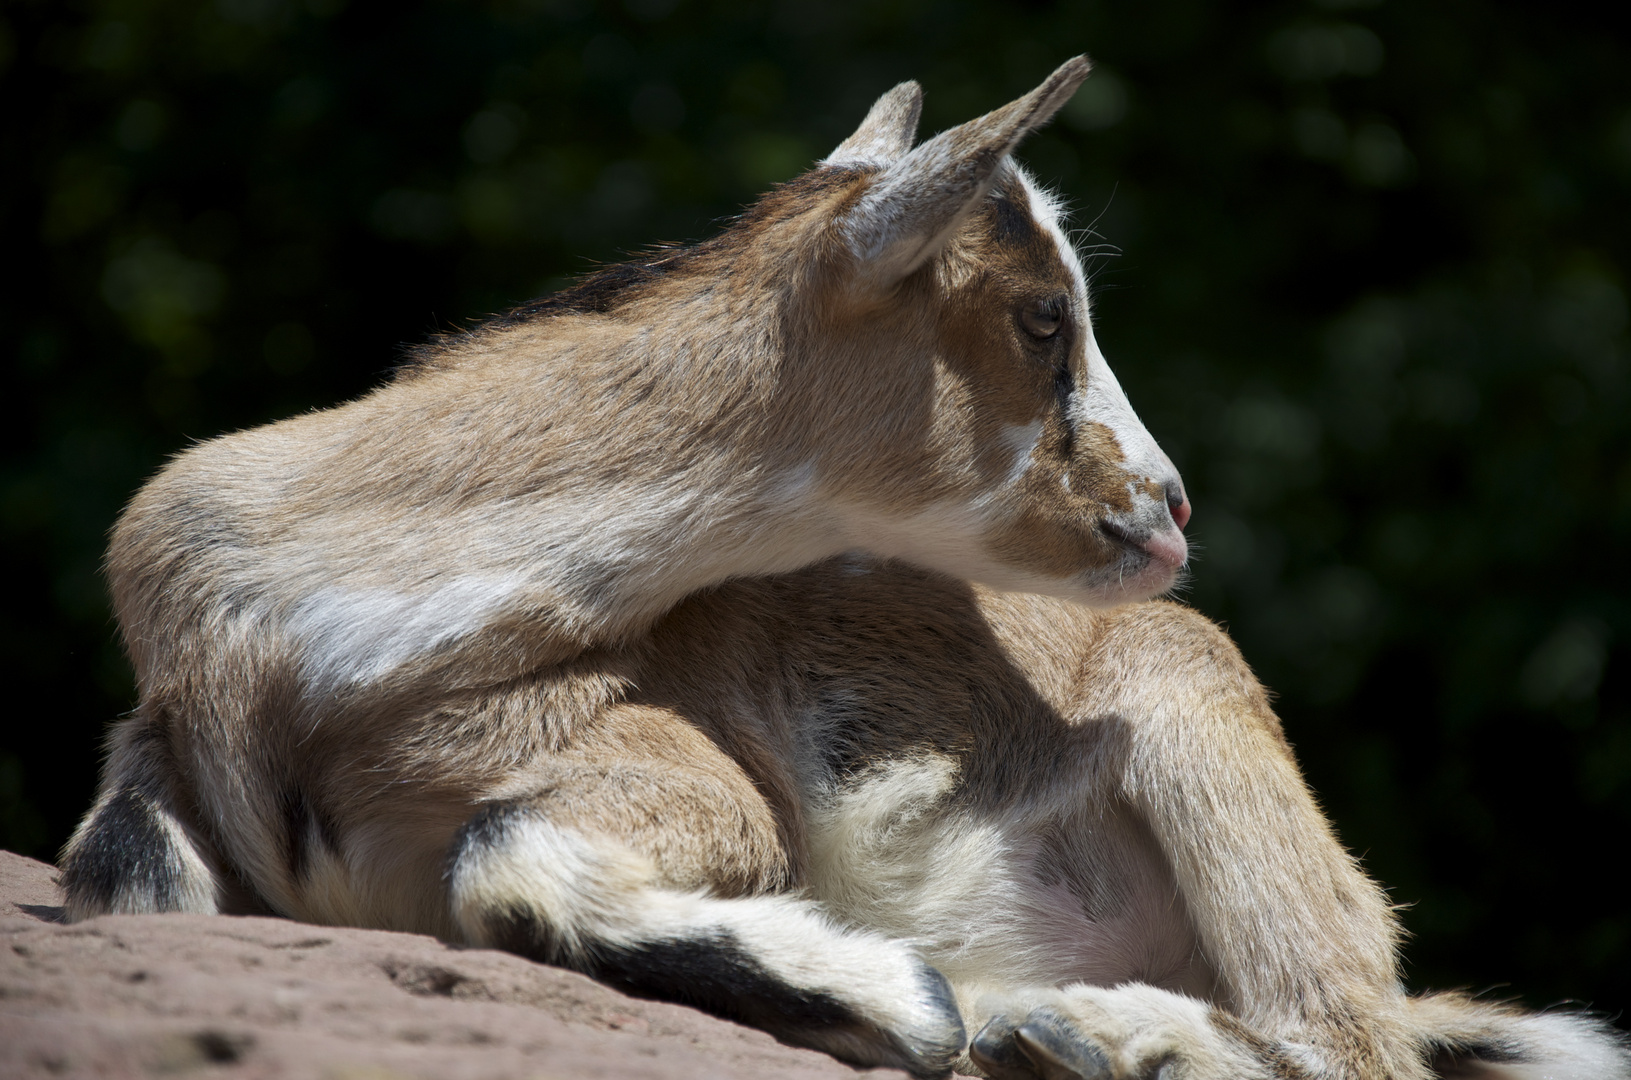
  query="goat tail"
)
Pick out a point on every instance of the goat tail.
point(1470, 1039)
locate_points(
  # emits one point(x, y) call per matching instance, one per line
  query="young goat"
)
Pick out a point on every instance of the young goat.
point(500, 653)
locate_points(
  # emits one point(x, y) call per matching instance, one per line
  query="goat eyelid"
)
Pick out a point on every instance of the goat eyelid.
point(1043, 319)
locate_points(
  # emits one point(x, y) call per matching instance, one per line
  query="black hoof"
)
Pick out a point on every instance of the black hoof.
point(931, 1052)
point(1058, 1051)
point(997, 1052)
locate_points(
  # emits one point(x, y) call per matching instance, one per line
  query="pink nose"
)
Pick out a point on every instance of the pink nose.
point(1180, 513)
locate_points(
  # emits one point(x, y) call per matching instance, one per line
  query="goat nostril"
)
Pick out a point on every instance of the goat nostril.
point(1179, 505)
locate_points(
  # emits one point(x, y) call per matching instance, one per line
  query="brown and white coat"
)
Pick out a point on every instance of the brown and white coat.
point(634, 632)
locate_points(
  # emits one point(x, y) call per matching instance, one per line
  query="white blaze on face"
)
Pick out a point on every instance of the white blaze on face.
point(1151, 476)
point(952, 535)
point(1104, 402)
point(1099, 399)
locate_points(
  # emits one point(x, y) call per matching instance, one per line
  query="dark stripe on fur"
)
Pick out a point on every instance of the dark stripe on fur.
point(304, 824)
point(125, 850)
point(712, 971)
point(1015, 225)
point(1450, 1057)
point(487, 828)
point(513, 931)
point(718, 974)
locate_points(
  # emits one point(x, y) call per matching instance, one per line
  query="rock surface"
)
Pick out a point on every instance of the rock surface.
point(218, 996)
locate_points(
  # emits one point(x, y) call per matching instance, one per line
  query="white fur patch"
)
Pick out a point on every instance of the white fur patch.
point(1140, 1026)
point(1561, 1046)
point(1102, 401)
point(351, 636)
point(574, 887)
point(797, 488)
point(987, 895)
point(610, 559)
point(1049, 213)
point(587, 890)
point(1021, 439)
point(1099, 398)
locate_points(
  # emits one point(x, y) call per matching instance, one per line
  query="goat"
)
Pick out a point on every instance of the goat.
point(635, 632)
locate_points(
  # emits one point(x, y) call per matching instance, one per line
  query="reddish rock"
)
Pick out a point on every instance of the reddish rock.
point(224, 996)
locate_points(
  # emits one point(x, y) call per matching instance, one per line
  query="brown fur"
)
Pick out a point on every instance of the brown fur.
point(550, 644)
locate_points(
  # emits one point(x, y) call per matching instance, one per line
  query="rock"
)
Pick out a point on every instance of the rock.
point(227, 996)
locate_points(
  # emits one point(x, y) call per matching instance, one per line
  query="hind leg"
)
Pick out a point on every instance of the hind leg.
point(1171, 727)
point(1150, 813)
point(651, 873)
point(1305, 946)
point(1136, 1032)
point(135, 852)
point(1132, 1032)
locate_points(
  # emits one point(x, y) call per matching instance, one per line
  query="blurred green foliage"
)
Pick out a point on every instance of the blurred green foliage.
point(1367, 285)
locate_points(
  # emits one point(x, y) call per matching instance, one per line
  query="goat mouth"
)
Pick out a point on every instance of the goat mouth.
point(1166, 548)
point(1123, 537)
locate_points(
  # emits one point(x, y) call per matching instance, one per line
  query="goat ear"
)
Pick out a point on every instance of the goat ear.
point(887, 132)
point(915, 204)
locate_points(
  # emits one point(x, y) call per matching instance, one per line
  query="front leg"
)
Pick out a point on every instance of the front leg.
point(1139, 1032)
point(1129, 1032)
point(1303, 943)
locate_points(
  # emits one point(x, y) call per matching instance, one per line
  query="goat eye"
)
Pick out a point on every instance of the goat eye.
point(1042, 318)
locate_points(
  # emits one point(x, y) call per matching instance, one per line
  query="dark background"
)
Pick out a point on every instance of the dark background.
point(1362, 268)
